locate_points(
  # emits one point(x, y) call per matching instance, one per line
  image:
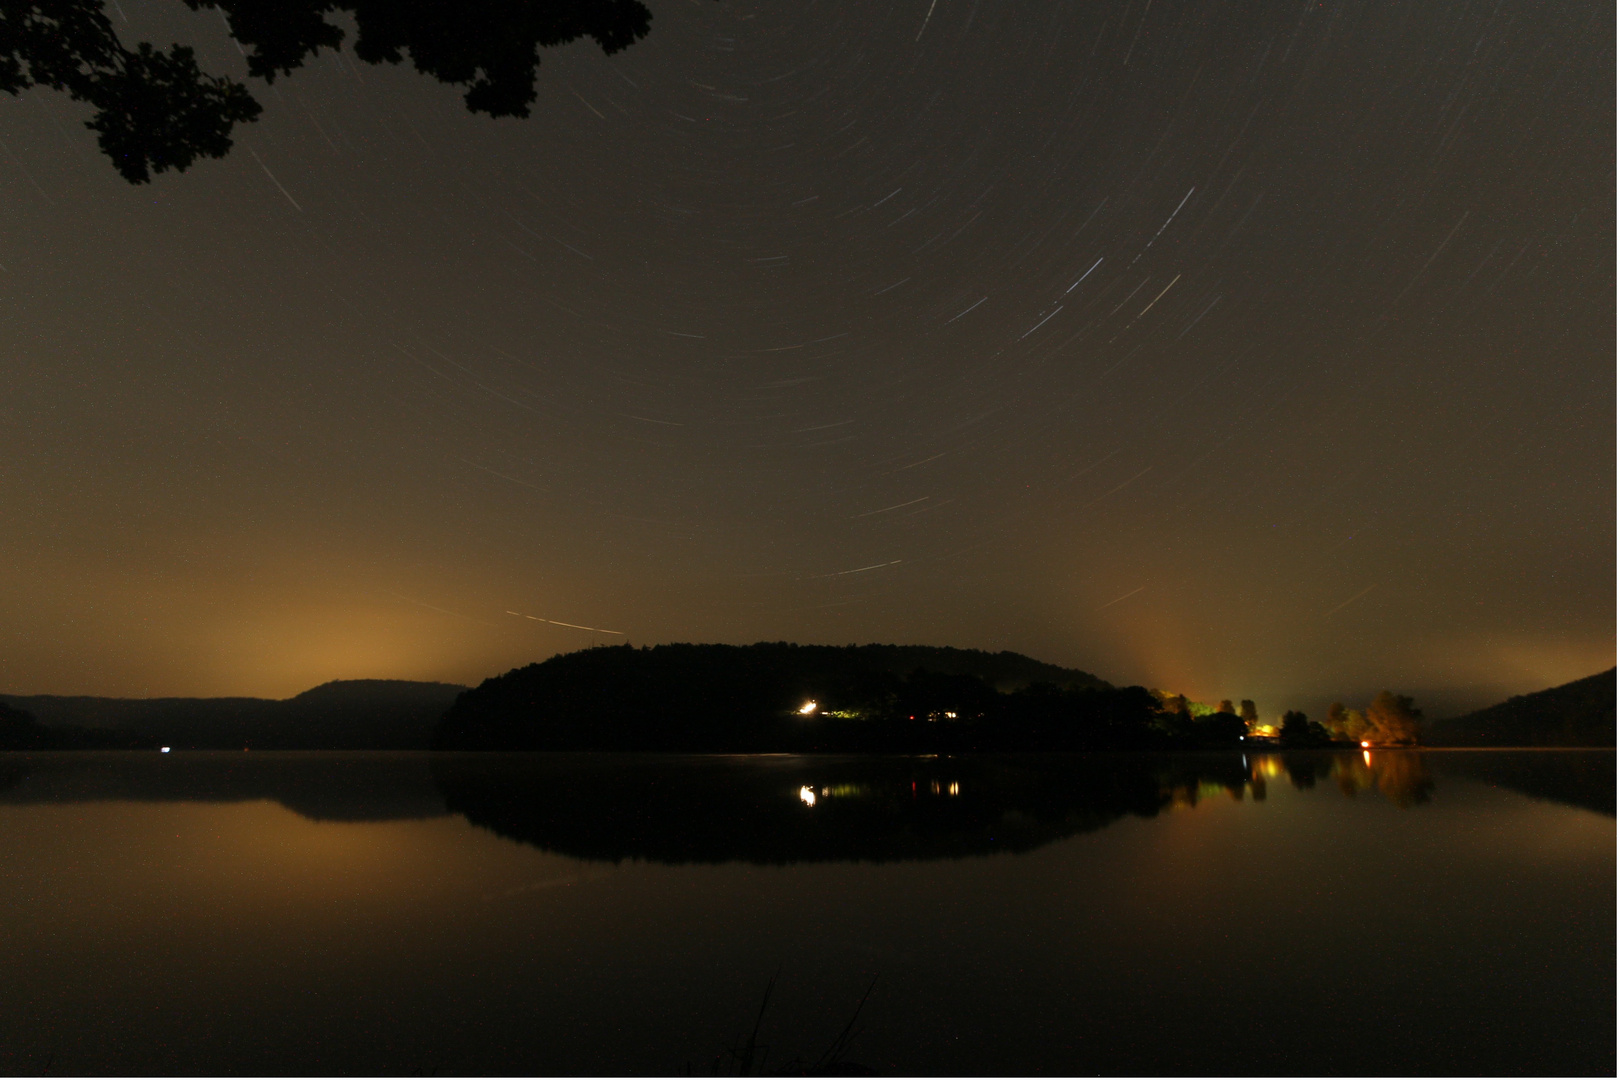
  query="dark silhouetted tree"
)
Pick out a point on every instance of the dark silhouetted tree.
point(1296, 729)
point(157, 110)
point(1222, 728)
point(1226, 707)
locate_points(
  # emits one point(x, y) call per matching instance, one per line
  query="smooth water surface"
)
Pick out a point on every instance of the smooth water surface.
point(1314, 913)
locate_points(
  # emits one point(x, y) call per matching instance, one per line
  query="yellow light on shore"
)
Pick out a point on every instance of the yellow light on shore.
point(1365, 744)
point(807, 795)
point(808, 708)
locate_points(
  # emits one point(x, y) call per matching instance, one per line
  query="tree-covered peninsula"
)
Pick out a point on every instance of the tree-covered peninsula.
point(777, 697)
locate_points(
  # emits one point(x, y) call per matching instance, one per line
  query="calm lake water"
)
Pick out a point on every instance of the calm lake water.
point(1313, 913)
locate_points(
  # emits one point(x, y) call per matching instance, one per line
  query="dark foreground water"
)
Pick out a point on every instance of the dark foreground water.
point(1442, 912)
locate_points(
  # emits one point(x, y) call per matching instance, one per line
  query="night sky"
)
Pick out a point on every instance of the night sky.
point(1243, 350)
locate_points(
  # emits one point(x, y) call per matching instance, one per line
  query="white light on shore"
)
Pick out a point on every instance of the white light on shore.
point(807, 795)
point(165, 750)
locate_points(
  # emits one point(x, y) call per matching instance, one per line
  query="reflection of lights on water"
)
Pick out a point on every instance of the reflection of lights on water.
point(1267, 767)
point(814, 795)
point(956, 789)
point(808, 708)
point(1366, 756)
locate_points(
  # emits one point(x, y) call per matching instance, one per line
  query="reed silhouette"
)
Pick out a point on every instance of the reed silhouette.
point(751, 1057)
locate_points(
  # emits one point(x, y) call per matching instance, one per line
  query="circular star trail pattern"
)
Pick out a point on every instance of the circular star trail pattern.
point(1259, 350)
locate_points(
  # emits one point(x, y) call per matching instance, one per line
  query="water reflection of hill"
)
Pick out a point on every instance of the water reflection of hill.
point(791, 809)
point(321, 787)
point(1401, 776)
point(1407, 778)
point(777, 809)
point(820, 808)
point(1584, 778)
point(782, 809)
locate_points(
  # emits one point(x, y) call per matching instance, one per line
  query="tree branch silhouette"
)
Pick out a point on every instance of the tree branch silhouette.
point(157, 110)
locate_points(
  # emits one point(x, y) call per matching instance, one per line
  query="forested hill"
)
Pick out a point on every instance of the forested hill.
point(1006, 671)
point(781, 697)
point(1580, 713)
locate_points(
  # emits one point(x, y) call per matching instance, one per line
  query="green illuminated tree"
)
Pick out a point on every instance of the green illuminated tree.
point(1355, 724)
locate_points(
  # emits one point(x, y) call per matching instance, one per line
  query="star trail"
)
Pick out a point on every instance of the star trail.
point(1260, 350)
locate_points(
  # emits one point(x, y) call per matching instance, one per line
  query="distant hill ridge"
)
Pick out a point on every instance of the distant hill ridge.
point(1580, 713)
point(391, 714)
point(346, 714)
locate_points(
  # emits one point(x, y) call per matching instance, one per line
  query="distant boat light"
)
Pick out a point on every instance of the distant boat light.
point(165, 750)
point(808, 708)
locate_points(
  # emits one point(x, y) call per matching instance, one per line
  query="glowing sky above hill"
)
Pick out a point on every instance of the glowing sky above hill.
point(1249, 350)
